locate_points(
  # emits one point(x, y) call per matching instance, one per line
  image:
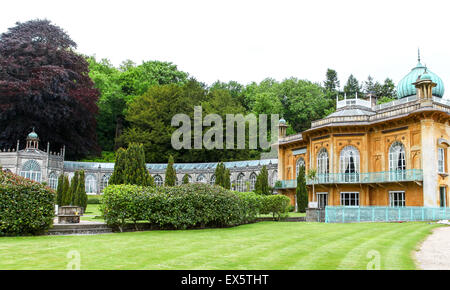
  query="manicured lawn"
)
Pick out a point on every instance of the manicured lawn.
point(265, 245)
point(92, 213)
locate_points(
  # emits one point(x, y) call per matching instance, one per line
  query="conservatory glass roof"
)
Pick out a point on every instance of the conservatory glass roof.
point(75, 165)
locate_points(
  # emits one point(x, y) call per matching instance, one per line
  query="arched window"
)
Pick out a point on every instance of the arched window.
point(252, 181)
point(31, 170)
point(105, 181)
point(90, 184)
point(349, 164)
point(300, 162)
point(53, 180)
point(322, 165)
point(274, 178)
point(397, 161)
point(212, 181)
point(158, 180)
point(201, 178)
point(240, 182)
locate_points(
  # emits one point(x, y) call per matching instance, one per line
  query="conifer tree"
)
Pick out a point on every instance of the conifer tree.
point(66, 199)
point(59, 190)
point(135, 170)
point(262, 181)
point(73, 189)
point(220, 174)
point(186, 179)
point(171, 174)
point(81, 191)
point(301, 191)
point(119, 168)
point(227, 179)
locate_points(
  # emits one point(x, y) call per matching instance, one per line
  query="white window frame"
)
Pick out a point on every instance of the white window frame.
point(347, 154)
point(323, 165)
point(240, 182)
point(396, 197)
point(53, 180)
point(300, 162)
point(441, 160)
point(31, 169)
point(252, 181)
point(349, 196)
point(158, 180)
point(90, 184)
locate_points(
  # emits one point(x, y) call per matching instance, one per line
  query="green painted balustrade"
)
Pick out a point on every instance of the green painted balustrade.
point(356, 178)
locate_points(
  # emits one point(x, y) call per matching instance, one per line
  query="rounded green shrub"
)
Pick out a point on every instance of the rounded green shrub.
point(178, 207)
point(277, 205)
point(26, 207)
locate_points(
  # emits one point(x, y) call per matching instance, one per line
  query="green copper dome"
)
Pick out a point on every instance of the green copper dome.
point(405, 87)
point(32, 135)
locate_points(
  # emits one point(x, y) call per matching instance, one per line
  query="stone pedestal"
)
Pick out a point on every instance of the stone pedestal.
point(69, 214)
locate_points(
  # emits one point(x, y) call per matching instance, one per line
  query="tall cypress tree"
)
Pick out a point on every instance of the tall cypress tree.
point(262, 181)
point(73, 189)
point(219, 173)
point(81, 191)
point(301, 191)
point(59, 189)
point(66, 199)
point(135, 170)
point(227, 179)
point(119, 168)
point(171, 174)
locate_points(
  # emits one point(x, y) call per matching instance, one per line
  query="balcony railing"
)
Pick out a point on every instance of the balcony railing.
point(356, 178)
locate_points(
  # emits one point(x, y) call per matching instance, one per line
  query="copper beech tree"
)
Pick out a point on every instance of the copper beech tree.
point(45, 84)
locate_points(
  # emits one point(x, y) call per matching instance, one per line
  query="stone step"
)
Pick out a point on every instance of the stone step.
point(84, 228)
point(78, 226)
point(81, 231)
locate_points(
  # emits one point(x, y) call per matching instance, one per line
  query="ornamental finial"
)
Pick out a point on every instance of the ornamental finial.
point(418, 54)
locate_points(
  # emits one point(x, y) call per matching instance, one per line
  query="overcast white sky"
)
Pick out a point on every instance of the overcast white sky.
point(251, 40)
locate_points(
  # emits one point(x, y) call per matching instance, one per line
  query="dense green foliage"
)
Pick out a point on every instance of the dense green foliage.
point(59, 189)
point(185, 179)
point(301, 190)
point(186, 206)
point(26, 207)
point(262, 182)
point(73, 189)
point(222, 176)
point(171, 174)
point(130, 167)
point(72, 192)
point(66, 197)
point(81, 198)
point(277, 205)
point(119, 86)
point(118, 176)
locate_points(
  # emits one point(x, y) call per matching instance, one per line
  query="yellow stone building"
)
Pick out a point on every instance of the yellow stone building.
point(393, 154)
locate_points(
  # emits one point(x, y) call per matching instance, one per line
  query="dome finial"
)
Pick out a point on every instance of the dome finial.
point(418, 54)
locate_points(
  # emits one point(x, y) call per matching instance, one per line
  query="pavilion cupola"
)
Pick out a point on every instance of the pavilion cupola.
point(32, 141)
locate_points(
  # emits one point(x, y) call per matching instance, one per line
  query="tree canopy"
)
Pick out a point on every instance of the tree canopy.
point(45, 84)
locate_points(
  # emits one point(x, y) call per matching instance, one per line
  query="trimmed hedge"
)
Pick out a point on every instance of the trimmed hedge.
point(182, 207)
point(26, 207)
point(277, 205)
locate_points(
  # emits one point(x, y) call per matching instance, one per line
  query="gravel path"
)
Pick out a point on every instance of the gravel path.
point(434, 253)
